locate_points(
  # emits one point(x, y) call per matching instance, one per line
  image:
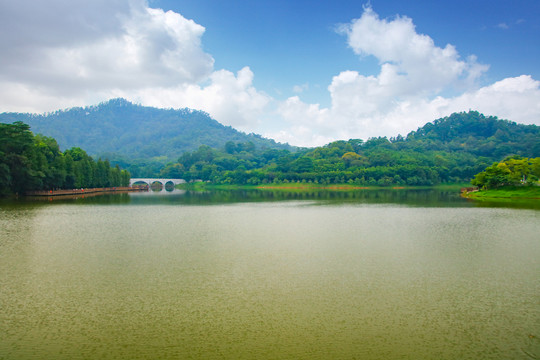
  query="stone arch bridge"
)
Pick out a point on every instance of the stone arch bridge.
point(150, 181)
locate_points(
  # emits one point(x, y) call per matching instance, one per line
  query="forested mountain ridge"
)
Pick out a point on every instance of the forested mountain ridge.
point(144, 139)
point(448, 150)
point(478, 134)
point(118, 129)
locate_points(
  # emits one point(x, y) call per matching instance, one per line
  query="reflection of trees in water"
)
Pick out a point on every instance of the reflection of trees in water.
point(409, 197)
point(509, 203)
point(86, 199)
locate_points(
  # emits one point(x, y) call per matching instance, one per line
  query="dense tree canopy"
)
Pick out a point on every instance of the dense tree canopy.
point(29, 162)
point(449, 150)
point(512, 171)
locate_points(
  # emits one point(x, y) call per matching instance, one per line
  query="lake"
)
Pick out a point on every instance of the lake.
point(391, 274)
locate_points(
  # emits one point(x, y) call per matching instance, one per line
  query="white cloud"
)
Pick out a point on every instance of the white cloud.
point(411, 62)
point(128, 47)
point(516, 99)
point(28, 25)
point(300, 88)
point(232, 100)
point(407, 92)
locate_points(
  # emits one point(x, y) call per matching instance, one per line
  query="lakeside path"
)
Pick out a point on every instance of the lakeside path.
point(63, 192)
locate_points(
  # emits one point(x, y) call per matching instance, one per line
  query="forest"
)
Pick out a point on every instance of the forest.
point(449, 150)
point(31, 162)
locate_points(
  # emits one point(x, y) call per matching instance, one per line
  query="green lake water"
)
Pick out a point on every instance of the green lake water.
point(248, 275)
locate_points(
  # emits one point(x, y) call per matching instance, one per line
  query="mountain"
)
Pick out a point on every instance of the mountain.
point(118, 129)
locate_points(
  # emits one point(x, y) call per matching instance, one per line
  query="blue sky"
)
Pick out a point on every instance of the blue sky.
point(303, 72)
point(287, 43)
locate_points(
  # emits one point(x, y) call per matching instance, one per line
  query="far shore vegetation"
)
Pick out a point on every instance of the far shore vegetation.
point(450, 152)
point(31, 162)
point(513, 178)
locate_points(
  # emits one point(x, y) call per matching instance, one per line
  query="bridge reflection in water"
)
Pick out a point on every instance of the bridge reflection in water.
point(150, 181)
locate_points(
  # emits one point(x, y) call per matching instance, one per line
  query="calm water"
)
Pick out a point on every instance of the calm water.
point(368, 275)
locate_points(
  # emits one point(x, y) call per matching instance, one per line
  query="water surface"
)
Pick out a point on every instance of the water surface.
point(243, 276)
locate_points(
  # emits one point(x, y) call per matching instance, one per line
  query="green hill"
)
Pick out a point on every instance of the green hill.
point(477, 134)
point(122, 131)
point(448, 150)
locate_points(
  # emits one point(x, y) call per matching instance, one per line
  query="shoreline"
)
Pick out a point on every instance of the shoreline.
point(199, 186)
point(67, 192)
point(504, 193)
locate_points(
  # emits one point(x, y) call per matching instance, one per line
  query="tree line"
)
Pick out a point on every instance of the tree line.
point(31, 162)
point(512, 171)
point(371, 163)
point(449, 150)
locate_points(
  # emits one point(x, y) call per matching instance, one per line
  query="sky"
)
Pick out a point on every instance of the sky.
point(299, 71)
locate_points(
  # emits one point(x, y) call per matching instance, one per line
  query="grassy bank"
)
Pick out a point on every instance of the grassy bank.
point(509, 192)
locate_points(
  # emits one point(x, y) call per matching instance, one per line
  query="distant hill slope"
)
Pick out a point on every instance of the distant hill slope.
point(448, 150)
point(477, 134)
point(120, 129)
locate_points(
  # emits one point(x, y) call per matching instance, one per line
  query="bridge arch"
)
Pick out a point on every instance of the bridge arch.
point(150, 181)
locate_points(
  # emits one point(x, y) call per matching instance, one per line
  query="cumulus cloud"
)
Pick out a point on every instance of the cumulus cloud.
point(408, 91)
point(116, 46)
point(231, 99)
point(516, 99)
point(411, 62)
point(28, 26)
